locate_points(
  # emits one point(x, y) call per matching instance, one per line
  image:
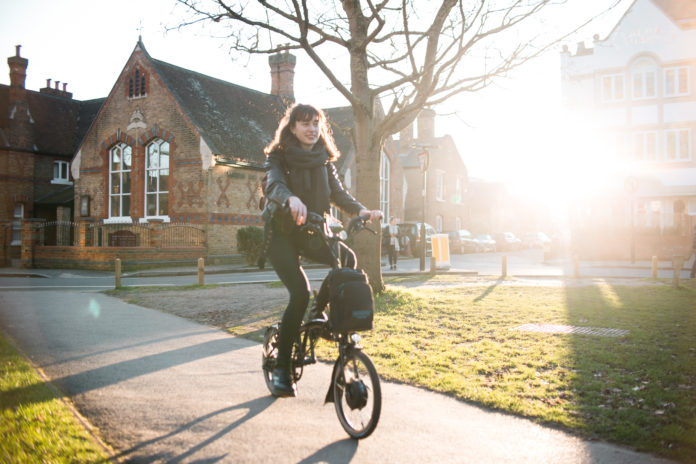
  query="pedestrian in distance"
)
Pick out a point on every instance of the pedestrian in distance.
point(301, 178)
point(393, 244)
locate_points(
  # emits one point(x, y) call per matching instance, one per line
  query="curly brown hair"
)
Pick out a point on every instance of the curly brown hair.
point(284, 137)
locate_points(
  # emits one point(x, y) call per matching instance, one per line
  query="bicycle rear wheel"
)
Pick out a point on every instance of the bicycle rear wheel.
point(269, 354)
point(357, 394)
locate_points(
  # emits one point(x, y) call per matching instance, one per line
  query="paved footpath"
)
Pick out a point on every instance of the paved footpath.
point(164, 389)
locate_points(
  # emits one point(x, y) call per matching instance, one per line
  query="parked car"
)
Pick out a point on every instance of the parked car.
point(461, 241)
point(536, 240)
point(484, 243)
point(507, 241)
point(412, 231)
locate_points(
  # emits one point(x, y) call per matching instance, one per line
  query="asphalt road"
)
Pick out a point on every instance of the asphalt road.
point(529, 263)
point(164, 389)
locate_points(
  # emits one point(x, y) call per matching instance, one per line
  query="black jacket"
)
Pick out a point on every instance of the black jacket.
point(278, 186)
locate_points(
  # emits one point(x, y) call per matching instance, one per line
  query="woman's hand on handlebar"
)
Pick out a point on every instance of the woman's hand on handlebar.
point(374, 214)
point(298, 210)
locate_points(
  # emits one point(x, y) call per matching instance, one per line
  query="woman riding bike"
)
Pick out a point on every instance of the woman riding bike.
point(301, 177)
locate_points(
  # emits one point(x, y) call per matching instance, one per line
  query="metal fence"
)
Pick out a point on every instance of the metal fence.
point(57, 233)
point(182, 235)
point(172, 235)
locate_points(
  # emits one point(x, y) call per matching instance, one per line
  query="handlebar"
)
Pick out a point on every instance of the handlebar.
point(318, 223)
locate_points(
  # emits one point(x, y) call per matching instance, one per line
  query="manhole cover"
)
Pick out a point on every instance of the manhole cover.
point(569, 329)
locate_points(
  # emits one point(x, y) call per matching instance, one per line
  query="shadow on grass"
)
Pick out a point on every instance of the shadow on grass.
point(488, 290)
point(639, 389)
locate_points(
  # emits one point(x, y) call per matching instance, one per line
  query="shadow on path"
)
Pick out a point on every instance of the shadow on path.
point(340, 452)
point(253, 407)
point(114, 373)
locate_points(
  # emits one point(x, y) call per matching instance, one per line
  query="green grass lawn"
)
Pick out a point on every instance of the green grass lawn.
point(637, 390)
point(35, 426)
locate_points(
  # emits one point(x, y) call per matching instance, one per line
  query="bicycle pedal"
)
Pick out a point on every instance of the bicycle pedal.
point(309, 360)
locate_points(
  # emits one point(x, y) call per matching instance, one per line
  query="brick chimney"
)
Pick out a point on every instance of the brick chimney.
point(426, 124)
point(21, 134)
point(18, 75)
point(56, 91)
point(283, 74)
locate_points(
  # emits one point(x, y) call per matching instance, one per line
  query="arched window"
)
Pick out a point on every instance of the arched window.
point(120, 158)
point(157, 179)
point(137, 84)
point(644, 79)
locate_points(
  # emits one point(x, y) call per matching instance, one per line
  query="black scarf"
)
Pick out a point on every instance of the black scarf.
point(308, 177)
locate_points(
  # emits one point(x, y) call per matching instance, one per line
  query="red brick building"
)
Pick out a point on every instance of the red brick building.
point(39, 132)
point(167, 145)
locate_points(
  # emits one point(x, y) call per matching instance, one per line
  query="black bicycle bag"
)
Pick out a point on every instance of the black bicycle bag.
point(351, 304)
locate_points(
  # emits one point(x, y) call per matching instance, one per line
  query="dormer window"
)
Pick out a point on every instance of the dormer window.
point(137, 84)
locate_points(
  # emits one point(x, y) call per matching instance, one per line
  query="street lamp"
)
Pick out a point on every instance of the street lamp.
point(423, 161)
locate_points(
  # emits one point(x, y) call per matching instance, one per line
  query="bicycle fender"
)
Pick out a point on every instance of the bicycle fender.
point(330, 394)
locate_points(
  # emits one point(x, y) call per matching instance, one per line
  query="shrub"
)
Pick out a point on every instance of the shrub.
point(249, 243)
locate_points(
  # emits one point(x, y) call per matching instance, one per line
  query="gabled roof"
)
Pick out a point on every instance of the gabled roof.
point(342, 120)
point(235, 122)
point(59, 122)
point(682, 12)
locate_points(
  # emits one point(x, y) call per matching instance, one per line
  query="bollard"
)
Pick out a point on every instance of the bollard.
point(576, 266)
point(677, 263)
point(504, 265)
point(117, 272)
point(201, 271)
point(654, 267)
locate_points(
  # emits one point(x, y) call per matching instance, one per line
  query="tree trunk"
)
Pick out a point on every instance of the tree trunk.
point(368, 149)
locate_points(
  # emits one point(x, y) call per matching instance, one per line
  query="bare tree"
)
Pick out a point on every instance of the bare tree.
point(403, 54)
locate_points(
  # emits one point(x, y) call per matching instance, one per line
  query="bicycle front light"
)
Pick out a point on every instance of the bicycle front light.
point(342, 235)
point(355, 338)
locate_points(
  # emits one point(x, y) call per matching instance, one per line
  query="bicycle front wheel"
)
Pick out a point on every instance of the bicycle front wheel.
point(269, 354)
point(357, 394)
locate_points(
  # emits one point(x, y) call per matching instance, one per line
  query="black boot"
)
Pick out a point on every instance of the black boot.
point(282, 386)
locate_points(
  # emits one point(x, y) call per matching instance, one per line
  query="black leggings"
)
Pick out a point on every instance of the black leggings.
point(393, 254)
point(284, 254)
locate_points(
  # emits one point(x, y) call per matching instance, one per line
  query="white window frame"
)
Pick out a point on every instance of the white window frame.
point(438, 223)
point(120, 194)
point(682, 138)
point(439, 185)
point(457, 223)
point(646, 138)
point(156, 173)
point(645, 72)
point(384, 184)
point(616, 81)
point(61, 172)
point(17, 217)
point(458, 195)
point(676, 81)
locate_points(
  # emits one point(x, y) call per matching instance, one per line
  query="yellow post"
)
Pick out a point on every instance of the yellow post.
point(201, 271)
point(117, 272)
point(677, 263)
point(654, 267)
point(504, 264)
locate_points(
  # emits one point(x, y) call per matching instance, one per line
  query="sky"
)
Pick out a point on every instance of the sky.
point(507, 132)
